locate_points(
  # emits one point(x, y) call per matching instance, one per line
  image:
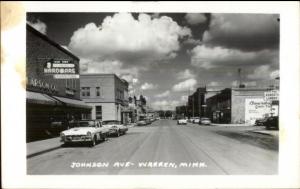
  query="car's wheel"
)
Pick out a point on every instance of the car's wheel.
point(93, 142)
point(66, 144)
point(103, 136)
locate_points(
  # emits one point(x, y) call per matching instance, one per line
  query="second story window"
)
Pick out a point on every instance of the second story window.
point(85, 91)
point(98, 91)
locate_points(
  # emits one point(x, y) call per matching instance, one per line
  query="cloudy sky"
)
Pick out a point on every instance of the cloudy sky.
point(167, 56)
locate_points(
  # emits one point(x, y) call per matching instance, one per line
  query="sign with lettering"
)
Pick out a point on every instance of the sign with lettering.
point(272, 95)
point(256, 108)
point(61, 69)
point(40, 84)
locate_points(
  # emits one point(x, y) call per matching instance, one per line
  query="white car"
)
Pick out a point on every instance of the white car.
point(205, 121)
point(87, 131)
point(196, 120)
point(182, 121)
point(114, 127)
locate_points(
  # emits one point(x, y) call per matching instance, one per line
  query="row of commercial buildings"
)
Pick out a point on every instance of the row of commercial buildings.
point(56, 94)
point(233, 105)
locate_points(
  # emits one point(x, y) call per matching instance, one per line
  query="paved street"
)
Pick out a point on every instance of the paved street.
point(167, 148)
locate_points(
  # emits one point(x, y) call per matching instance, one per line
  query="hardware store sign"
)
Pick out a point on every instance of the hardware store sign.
point(61, 69)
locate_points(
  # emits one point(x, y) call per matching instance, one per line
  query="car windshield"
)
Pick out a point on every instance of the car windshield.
point(110, 122)
point(204, 119)
point(85, 124)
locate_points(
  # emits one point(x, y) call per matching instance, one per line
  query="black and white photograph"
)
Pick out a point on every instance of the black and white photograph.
point(142, 93)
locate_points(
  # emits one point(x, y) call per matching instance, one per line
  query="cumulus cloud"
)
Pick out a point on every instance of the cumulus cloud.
point(109, 66)
point(165, 104)
point(243, 31)
point(261, 72)
point(207, 57)
point(148, 86)
point(130, 78)
point(195, 18)
point(247, 83)
point(39, 25)
point(274, 74)
point(214, 84)
point(184, 98)
point(164, 94)
point(192, 41)
point(186, 74)
point(130, 40)
point(186, 85)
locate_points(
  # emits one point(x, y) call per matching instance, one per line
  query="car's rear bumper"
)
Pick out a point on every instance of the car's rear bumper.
point(70, 139)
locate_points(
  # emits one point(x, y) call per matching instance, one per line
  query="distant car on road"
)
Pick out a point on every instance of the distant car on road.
point(205, 121)
point(182, 121)
point(114, 127)
point(196, 120)
point(87, 131)
point(141, 123)
point(272, 123)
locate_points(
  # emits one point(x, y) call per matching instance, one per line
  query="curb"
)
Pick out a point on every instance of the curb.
point(42, 151)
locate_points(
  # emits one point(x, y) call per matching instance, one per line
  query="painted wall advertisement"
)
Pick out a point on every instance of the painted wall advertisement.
point(256, 108)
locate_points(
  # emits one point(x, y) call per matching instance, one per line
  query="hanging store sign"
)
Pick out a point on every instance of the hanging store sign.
point(256, 108)
point(61, 69)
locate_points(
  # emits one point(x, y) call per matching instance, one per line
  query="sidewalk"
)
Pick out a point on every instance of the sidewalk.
point(230, 125)
point(267, 132)
point(42, 146)
point(255, 129)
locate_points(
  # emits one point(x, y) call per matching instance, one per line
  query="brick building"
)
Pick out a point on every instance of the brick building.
point(219, 107)
point(51, 101)
point(181, 111)
point(107, 94)
point(196, 102)
point(241, 105)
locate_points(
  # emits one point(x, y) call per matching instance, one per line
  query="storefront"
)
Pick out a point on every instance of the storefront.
point(53, 87)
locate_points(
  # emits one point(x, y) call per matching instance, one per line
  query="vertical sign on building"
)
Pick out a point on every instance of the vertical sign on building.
point(273, 98)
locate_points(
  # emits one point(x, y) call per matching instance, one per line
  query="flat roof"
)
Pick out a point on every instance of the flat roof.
point(103, 74)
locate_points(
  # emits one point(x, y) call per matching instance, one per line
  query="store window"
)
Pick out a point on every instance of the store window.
point(99, 112)
point(85, 91)
point(98, 91)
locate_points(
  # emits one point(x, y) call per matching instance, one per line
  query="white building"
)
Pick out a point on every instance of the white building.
point(107, 94)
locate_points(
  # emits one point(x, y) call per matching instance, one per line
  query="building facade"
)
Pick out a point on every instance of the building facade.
point(249, 104)
point(218, 107)
point(196, 103)
point(51, 101)
point(181, 111)
point(242, 105)
point(107, 94)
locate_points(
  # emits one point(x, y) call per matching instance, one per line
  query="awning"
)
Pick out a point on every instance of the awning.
point(73, 102)
point(39, 98)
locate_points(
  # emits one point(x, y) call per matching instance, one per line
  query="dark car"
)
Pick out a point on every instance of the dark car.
point(272, 123)
point(261, 122)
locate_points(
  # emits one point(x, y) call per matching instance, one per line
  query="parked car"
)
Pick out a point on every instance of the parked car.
point(182, 121)
point(196, 120)
point(87, 131)
point(261, 122)
point(272, 123)
point(114, 127)
point(205, 121)
point(141, 123)
point(148, 121)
